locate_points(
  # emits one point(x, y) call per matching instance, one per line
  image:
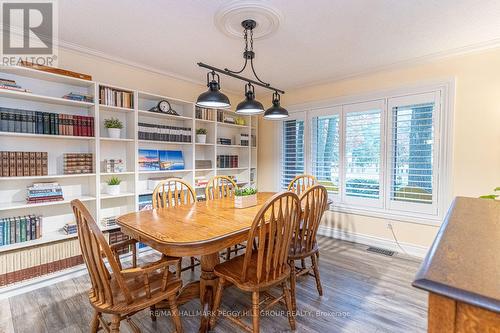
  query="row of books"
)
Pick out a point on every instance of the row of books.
point(204, 113)
point(115, 97)
point(8, 84)
point(79, 97)
point(152, 160)
point(78, 163)
point(20, 229)
point(117, 237)
point(164, 133)
point(22, 163)
point(113, 165)
point(108, 222)
point(36, 261)
point(37, 122)
point(44, 192)
point(224, 141)
point(227, 161)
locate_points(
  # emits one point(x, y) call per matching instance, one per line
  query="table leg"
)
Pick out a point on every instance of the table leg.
point(208, 285)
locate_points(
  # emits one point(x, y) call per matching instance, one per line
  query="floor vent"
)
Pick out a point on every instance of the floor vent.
point(381, 251)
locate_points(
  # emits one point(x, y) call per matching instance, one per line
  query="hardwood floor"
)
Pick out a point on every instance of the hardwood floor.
point(363, 292)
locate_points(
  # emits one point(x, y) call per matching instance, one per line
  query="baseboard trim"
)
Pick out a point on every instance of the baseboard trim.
point(389, 244)
point(25, 286)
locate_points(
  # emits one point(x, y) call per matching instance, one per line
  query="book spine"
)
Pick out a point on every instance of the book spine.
point(26, 164)
point(45, 164)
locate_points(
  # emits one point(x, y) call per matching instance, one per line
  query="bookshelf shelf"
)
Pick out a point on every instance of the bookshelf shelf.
point(43, 99)
point(117, 173)
point(46, 76)
point(151, 114)
point(104, 107)
point(45, 239)
point(23, 204)
point(46, 136)
point(110, 228)
point(121, 195)
point(231, 125)
point(245, 168)
point(204, 144)
point(211, 169)
point(232, 146)
point(49, 176)
point(204, 120)
point(165, 171)
point(116, 139)
point(165, 142)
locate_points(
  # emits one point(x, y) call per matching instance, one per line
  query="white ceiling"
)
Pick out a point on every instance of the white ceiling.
point(318, 40)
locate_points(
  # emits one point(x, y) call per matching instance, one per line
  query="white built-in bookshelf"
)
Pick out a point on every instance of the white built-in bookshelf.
point(47, 89)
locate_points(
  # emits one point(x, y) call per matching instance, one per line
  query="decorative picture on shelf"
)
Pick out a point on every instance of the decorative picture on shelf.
point(171, 160)
point(148, 160)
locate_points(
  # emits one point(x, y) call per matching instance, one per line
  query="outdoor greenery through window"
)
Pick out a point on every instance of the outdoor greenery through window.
point(379, 154)
point(412, 141)
point(326, 154)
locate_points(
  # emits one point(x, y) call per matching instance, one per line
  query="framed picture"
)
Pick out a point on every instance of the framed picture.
point(171, 160)
point(148, 160)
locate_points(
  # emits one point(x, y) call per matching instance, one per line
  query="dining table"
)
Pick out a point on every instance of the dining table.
point(202, 229)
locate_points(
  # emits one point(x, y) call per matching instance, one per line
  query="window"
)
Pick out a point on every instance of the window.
point(292, 151)
point(380, 156)
point(326, 151)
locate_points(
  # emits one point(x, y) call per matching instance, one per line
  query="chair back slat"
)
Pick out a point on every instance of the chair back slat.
point(220, 187)
point(313, 202)
point(94, 250)
point(272, 231)
point(301, 183)
point(173, 192)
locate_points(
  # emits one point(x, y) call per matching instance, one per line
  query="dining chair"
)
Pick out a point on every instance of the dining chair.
point(265, 266)
point(219, 187)
point(313, 203)
point(120, 292)
point(301, 183)
point(174, 192)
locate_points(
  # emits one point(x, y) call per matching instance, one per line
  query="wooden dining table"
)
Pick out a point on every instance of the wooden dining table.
point(202, 229)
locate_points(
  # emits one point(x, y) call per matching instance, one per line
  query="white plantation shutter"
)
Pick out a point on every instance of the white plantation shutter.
point(412, 152)
point(292, 154)
point(362, 157)
point(326, 151)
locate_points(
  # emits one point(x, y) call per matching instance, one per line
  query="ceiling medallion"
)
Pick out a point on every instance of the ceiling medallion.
point(229, 17)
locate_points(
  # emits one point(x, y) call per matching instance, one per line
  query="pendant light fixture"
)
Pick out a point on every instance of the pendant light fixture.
point(213, 98)
point(249, 106)
point(276, 112)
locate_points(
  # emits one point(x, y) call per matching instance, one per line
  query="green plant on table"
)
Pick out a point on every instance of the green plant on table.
point(492, 196)
point(114, 181)
point(113, 123)
point(243, 192)
point(201, 131)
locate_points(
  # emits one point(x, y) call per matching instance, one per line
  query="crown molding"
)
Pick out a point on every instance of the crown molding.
point(464, 50)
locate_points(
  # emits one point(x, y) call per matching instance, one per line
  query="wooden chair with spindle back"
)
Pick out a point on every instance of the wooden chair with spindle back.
point(303, 245)
point(174, 192)
point(267, 265)
point(117, 291)
point(219, 187)
point(301, 183)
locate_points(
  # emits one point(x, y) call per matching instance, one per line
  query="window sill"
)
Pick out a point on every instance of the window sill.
point(430, 220)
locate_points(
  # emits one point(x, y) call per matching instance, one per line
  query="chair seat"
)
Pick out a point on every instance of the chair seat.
point(232, 269)
point(135, 284)
point(297, 251)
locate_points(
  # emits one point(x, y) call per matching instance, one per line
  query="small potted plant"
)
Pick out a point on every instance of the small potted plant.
point(245, 197)
point(113, 186)
point(201, 135)
point(114, 127)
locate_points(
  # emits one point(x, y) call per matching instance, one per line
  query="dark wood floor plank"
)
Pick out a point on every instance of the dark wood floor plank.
point(364, 292)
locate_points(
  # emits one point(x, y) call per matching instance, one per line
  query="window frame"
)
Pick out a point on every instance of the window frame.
point(295, 116)
point(443, 149)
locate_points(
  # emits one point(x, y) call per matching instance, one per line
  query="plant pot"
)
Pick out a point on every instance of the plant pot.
point(113, 189)
point(245, 201)
point(114, 133)
point(201, 138)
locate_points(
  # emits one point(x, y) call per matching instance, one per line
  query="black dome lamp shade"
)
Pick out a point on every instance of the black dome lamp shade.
point(276, 112)
point(213, 98)
point(249, 106)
